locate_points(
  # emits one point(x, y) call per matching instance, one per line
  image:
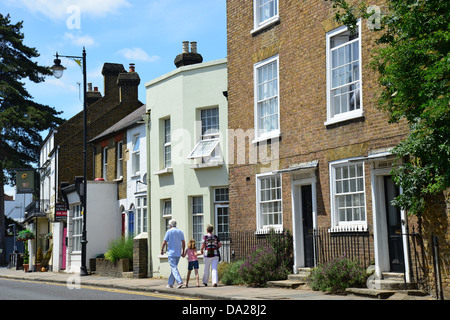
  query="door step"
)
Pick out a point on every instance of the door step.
point(390, 281)
point(294, 281)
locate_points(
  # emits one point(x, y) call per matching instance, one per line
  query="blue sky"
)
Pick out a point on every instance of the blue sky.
point(148, 33)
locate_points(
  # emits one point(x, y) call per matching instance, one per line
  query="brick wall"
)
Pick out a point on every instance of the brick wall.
point(101, 114)
point(299, 38)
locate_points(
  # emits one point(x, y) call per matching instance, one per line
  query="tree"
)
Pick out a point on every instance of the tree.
point(413, 63)
point(21, 119)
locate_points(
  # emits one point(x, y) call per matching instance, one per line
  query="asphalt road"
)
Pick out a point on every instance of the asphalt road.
point(11, 289)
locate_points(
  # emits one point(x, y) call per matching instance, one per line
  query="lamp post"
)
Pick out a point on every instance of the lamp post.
point(58, 70)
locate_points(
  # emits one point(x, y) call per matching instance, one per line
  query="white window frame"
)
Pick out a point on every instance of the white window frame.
point(167, 143)
point(275, 132)
point(77, 227)
point(166, 212)
point(257, 24)
point(260, 202)
point(207, 147)
point(221, 200)
point(136, 155)
point(197, 235)
point(119, 163)
point(141, 214)
point(336, 223)
point(358, 84)
point(105, 163)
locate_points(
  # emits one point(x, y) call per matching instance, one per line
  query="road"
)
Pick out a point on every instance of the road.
point(11, 289)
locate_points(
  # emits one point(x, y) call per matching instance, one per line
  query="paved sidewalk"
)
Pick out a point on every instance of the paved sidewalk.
point(222, 292)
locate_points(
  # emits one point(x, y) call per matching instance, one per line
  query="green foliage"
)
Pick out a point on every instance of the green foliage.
point(21, 119)
point(337, 275)
point(229, 273)
point(25, 235)
point(413, 63)
point(121, 248)
point(261, 266)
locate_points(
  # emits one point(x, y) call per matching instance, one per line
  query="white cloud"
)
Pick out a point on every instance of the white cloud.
point(59, 9)
point(137, 54)
point(80, 40)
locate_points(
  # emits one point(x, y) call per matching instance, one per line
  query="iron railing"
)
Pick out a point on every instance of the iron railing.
point(353, 243)
point(238, 245)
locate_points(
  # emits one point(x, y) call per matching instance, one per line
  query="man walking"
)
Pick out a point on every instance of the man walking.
point(174, 239)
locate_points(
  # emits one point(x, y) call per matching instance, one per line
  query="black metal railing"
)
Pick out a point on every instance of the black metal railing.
point(238, 245)
point(353, 243)
point(425, 267)
point(37, 207)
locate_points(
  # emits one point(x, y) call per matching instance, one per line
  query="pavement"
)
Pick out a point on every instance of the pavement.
point(221, 292)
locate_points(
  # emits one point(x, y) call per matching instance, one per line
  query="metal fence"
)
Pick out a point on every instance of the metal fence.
point(238, 245)
point(352, 243)
point(425, 263)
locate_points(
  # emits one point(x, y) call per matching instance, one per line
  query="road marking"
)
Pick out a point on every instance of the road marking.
point(124, 291)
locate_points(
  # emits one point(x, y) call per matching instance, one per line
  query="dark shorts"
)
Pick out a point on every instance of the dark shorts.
point(193, 265)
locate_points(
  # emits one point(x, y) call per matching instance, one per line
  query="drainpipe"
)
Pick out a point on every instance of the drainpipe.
point(149, 211)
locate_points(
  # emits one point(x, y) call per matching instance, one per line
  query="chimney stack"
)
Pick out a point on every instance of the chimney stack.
point(187, 58)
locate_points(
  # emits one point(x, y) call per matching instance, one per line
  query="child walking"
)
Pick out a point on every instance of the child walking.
point(191, 253)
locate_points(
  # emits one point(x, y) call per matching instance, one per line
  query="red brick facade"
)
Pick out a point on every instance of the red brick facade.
point(299, 40)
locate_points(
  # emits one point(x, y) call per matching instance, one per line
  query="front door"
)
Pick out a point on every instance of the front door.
point(394, 227)
point(307, 218)
point(223, 230)
point(131, 223)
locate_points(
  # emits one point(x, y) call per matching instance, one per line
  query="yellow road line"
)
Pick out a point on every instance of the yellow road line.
point(124, 291)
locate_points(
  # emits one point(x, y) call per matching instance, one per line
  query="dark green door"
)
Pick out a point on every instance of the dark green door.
point(307, 225)
point(394, 227)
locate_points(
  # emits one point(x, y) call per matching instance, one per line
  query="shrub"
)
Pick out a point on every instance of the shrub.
point(120, 249)
point(229, 273)
point(337, 275)
point(261, 266)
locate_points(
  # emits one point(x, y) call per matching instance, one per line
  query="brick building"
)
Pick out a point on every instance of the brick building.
point(61, 156)
point(120, 157)
point(308, 147)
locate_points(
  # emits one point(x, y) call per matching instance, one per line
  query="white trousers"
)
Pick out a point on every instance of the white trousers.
point(211, 263)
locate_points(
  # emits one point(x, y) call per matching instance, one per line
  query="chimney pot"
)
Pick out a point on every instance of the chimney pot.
point(193, 47)
point(89, 86)
point(95, 88)
point(132, 67)
point(185, 46)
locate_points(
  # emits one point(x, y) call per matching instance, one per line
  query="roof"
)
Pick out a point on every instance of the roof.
point(126, 122)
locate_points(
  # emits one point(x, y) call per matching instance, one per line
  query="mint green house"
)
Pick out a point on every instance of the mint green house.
point(187, 153)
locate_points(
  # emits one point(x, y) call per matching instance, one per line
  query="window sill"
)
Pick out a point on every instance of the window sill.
point(120, 179)
point(213, 164)
point(264, 138)
point(163, 171)
point(357, 227)
point(352, 116)
point(265, 25)
point(267, 230)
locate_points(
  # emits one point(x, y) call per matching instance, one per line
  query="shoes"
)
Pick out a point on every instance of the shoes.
point(179, 286)
point(169, 286)
point(215, 285)
point(205, 284)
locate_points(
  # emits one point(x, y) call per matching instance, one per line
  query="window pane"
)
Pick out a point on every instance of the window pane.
point(349, 193)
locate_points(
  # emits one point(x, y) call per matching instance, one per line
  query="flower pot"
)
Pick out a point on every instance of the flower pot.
point(25, 267)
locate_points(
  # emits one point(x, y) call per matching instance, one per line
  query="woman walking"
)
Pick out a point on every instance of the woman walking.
point(210, 251)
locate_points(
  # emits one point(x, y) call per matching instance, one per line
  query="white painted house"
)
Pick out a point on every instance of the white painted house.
point(188, 164)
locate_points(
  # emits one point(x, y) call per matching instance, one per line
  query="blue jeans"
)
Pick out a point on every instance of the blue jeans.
point(174, 274)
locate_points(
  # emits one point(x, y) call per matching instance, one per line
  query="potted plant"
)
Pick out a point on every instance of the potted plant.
point(24, 236)
point(39, 258)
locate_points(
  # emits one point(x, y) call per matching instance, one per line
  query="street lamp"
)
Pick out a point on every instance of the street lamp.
point(58, 70)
